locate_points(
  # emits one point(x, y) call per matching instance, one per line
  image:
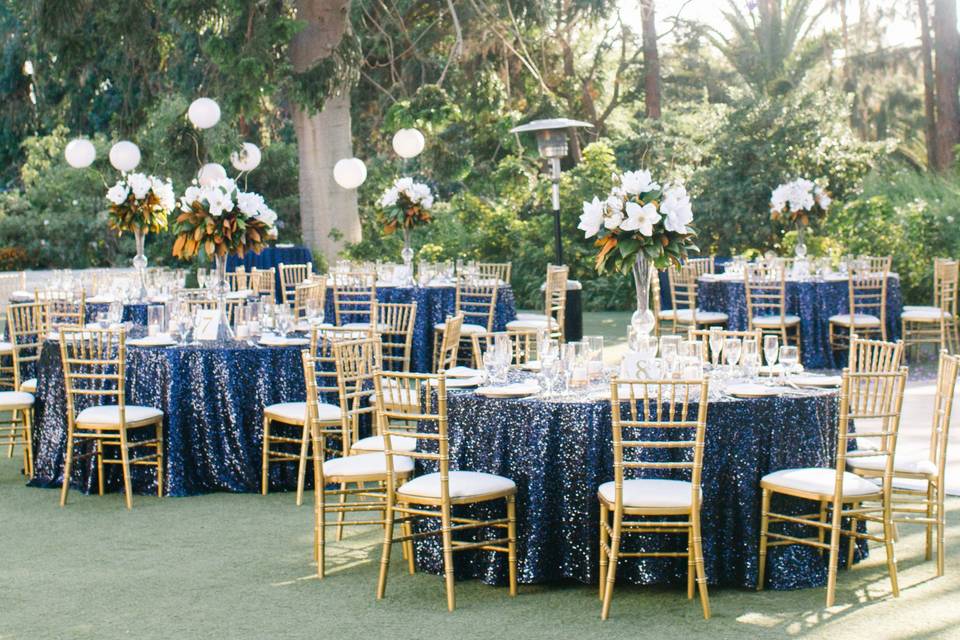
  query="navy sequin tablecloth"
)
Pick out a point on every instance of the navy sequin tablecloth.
point(434, 304)
point(814, 301)
point(559, 453)
point(212, 396)
point(134, 313)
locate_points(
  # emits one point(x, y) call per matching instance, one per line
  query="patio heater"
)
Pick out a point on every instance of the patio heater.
point(552, 145)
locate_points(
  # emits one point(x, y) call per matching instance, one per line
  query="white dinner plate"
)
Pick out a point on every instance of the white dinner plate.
point(461, 383)
point(531, 365)
point(515, 390)
point(748, 390)
point(160, 340)
point(810, 380)
point(463, 372)
point(277, 341)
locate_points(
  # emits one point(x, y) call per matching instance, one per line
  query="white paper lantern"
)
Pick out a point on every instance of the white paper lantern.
point(124, 156)
point(247, 159)
point(204, 113)
point(408, 143)
point(350, 173)
point(80, 153)
point(211, 173)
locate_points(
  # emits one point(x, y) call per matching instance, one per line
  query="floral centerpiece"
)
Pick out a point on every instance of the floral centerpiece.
point(797, 202)
point(640, 223)
point(220, 220)
point(140, 204)
point(404, 205)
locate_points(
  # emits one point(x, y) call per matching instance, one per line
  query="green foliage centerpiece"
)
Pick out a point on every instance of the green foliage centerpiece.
point(640, 224)
point(404, 205)
point(140, 204)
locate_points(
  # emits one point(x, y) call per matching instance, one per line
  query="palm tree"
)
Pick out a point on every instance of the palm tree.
point(771, 48)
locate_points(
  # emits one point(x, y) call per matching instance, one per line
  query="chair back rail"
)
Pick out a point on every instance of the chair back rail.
point(355, 296)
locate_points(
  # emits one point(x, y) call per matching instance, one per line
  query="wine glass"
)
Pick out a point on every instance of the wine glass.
point(594, 349)
point(750, 356)
point(789, 358)
point(490, 366)
point(731, 350)
point(548, 362)
point(771, 349)
point(646, 347)
point(716, 345)
point(284, 322)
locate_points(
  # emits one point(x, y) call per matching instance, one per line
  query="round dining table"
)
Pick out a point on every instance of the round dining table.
point(813, 300)
point(212, 396)
point(434, 304)
point(559, 452)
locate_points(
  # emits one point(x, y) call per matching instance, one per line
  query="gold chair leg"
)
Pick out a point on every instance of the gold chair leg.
point(852, 539)
point(302, 466)
point(67, 467)
point(265, 465)
point(691, 566)
point(822, 532)
point(941, 525)
point(160, 460)
point(317, 495)
point(888, 543)
point(319, 530)
point(928, 552)
point(385, 552)
point(604, 542)
point(512, 542)
point(341, 514)
point(99, 451)
point(764, 527)
point(612, 567)
point(411, 550)
point(28, 450)
point(701, 570)
point(125, 460)
point(13, 421)
point(834, 553)
point(447, 536)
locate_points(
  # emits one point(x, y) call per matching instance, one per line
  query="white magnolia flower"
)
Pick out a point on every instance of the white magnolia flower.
point(117, 194)
point(676, 207)
point(641, 218)
point(637, 182)
point(592, 218)
point(614, 203)
point(613, 219)
point(822, 198)
point(219, 202)
point(139, 184)
point(404, 184)
point(250, 203)
point(389, 197)
point(164, 192)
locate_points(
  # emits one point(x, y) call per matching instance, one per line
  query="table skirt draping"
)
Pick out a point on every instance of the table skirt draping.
point(434, 304)
point(134, 313)
point(813, 301)
point(559, 453)
point(212, 396)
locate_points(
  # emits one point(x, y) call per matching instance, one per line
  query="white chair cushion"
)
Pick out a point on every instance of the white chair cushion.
point(375, 443)
point(901, 463)
point(6, 348)
point(297, 411)
point(926, 314)
point(666, 314)
point(858, 320)
point(15, 400)
point(916, 307)
point(29, 386)
point(109, 414)
point(703, 317)
point(819, 480)
point(365, 325)
point(532, 316)
point(774, 321)
point(527, 324)
point(365, 464)
point(650, 492)
point(463, 484)
point(466, 329)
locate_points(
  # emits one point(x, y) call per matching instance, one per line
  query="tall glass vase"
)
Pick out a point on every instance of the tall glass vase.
point(224, 331)
point(407, 255)
point(140, 262)
point(642, 320)
point(800, 251)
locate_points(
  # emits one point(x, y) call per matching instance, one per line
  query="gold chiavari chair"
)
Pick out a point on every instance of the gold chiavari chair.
point(876, 264)
point(873, 397)
point(10, 283)
point(62, 307)
point(352, 473)
point(311, 292)
point(703, 337)
point(937, 324)
point(396, 322)
point(926, 505)
point(25, 322)
point(766, 290)
point(285, 423)
point(652, 505)
point(94, 367)
point(476, 300)
point(355, 296)
point(239, 279)
point(290, 276)
point(867, 307)
point(499, 271)
point(445, 358)
point(683, 292)
point(431, 497)
point(523, 344)
point(263, 283)
point(555, 306)
point(874, 356)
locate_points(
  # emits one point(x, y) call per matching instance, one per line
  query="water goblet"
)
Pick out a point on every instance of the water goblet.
point(750, 356)
point(789, 358)
point(716, 345)
point(731, 351)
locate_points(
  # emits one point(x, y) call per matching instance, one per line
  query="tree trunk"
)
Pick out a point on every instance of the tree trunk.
point(651, 60)
point(929, 101)
point(328, 212)
point(947, 79)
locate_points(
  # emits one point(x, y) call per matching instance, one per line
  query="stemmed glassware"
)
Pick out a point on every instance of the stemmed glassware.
point(548, 353)
point(789, 358)
point(771, 350)
point(594, 357)
point(284, 321)
point(716, 345)
point(670, 352)
point(750, 357)
point(731, 351)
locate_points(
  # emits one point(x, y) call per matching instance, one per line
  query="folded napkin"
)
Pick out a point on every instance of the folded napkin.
point(20, 296)
point(463, 372)
point(159, 340)
point(459, 383)
point(104, 299)
point(515, 389)
point(277, 341)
